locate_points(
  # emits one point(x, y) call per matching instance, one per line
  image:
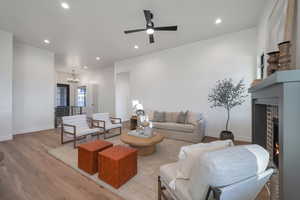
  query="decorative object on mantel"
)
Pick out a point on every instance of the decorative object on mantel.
point(285, 55)
point(227, 95)
point(73, 79)
point(262, 66)
point(273, 62)
point(256, 81)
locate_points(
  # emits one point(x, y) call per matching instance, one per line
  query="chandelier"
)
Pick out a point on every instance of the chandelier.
point(73, 79)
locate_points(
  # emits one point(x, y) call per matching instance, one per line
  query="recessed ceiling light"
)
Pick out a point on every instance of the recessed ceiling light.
point(47, 41)
point(136, 46)
point(85, 67)
point(218, 21)
point(65, 5)
point(150, 31)
point(98, 58)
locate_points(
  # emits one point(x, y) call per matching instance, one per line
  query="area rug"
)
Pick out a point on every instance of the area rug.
point(144, 184)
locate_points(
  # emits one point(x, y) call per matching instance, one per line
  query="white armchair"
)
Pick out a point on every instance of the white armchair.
point(106, 123)
point(231, 173)
point(77, 127)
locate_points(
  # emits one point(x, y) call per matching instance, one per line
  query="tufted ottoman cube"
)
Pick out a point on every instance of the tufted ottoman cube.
point(88, 155)
point(117, 165)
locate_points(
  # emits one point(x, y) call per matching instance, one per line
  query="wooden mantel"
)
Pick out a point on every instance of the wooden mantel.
point(281, 89)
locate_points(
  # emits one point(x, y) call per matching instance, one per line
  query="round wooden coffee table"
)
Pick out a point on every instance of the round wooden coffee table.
point(145, 146)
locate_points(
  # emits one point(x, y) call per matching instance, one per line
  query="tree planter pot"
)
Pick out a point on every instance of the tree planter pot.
point(226, 135)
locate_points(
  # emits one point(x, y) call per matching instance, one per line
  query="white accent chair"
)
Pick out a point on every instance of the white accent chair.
point(232, 173)
point(107, 123)
point(77, 126)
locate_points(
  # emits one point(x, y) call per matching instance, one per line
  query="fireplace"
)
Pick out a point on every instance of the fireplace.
point(275, 142)
point(272, 131)
point(275, 126)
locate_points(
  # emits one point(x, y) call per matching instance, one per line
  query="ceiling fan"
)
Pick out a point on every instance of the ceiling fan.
point(150, 29)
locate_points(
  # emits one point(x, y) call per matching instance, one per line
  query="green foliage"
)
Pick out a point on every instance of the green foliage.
point(227, 95)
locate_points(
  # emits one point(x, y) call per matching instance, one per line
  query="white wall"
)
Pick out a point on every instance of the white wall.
point(6, 70)
point(297, 35)
point(262, 35)
point(262, 39)
point(123, 96)
point(181, 78)
point(33, 89)
point(106, 90)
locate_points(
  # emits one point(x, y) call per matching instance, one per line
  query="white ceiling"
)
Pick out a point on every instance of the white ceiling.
point(94, 28)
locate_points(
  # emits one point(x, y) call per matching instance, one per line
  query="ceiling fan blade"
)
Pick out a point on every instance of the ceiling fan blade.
point(151, 38)
point(148, 15)
point(134, 31)
point(166, 28)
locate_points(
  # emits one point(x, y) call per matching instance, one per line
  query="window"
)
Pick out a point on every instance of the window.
point(81, 96)
point(62, 95)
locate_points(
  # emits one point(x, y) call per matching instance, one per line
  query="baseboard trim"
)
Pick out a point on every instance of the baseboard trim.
point(5, 138)
point(236, 137)
point(31, 130)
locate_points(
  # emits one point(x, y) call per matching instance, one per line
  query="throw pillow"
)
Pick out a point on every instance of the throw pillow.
point(182, 117)
point(189, 154)
point(159, 116)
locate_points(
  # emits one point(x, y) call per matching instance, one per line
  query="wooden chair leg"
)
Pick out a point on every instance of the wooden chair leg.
point(62, 135)
point(159, 189)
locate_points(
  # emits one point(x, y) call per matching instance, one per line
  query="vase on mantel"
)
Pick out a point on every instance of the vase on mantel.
point(284, 59)
point(273, 62)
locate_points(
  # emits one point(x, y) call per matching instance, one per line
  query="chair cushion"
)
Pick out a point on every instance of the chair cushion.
point(189, 154)
point(111, 126)
point(168, 173)
point(87, 131)
point(174, 126)
point(80, 121)
point(225, 167)
point(104, 117)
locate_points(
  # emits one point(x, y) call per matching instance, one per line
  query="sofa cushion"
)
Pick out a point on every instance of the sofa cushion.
point(182, 117)
point(159, 116)
point(189, 154)
point(225, 167)
point(189, 128)
point(171, 116)
point(167, 173)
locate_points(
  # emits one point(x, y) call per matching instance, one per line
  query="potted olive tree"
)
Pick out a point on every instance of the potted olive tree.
point(227, 95)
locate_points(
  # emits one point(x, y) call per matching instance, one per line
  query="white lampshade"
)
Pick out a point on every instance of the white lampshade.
point(139, 106)
point(135, 102)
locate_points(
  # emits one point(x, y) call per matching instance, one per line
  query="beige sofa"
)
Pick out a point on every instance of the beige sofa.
point(192, 131)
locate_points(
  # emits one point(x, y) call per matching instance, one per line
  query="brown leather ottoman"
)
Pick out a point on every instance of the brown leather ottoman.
point(88, 155)
point(117, 165)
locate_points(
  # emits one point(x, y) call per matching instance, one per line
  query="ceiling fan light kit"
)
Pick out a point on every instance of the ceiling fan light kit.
point(150, 28)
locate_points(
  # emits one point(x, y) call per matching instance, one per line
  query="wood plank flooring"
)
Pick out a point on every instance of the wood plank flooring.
point(30, 173)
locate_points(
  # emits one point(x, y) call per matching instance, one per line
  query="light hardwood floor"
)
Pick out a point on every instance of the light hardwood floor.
point(30, 173)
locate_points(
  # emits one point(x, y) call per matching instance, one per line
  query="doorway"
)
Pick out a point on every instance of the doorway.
point(62, 95)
